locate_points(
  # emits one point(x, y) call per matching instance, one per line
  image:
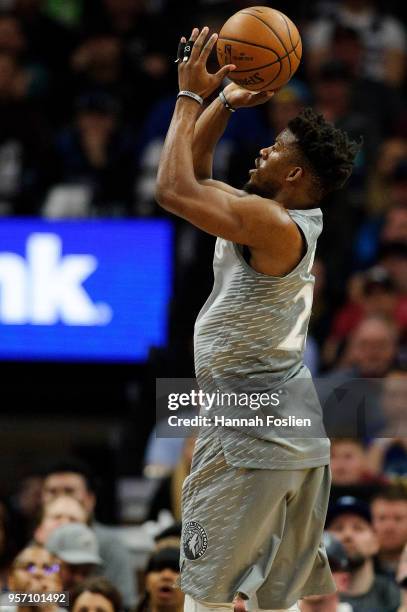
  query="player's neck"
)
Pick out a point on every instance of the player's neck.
point(294, 201)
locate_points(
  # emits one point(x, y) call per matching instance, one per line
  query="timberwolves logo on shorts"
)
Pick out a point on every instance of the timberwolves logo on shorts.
point(195, 541)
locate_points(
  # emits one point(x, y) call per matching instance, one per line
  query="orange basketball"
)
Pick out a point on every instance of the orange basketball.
point(265, 46)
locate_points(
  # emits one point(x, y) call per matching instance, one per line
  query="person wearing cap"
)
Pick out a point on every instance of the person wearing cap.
point(161, 591)
point(339, 564)
point(76, 548)
point(73, 478)
point(350, 521)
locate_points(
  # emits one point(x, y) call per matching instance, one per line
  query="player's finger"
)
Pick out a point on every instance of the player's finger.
point(198, 44)
point(190, 44)
point(223, 72)
point(181, 48)
point(208, 47)
point(194, 34)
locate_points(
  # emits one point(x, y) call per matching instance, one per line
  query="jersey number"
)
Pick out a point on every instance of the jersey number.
point(295, 339)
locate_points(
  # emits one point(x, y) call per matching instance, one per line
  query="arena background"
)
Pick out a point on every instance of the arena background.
point(86, 94)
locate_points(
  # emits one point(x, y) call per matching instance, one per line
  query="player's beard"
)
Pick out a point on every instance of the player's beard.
point(265, 192)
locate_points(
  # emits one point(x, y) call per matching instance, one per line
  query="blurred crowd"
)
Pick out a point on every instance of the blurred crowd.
point(86, 94)
point(51, 541)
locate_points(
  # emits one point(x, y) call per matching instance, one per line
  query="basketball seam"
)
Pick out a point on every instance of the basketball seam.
point(289, 34)
point(269, 83)
point(269, 27)
point(265, 65)
point(244, 42)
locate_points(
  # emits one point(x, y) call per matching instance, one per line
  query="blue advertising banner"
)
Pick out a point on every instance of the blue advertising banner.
point(94, 290)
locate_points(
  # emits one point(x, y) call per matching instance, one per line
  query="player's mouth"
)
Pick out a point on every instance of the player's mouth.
point(257, 164)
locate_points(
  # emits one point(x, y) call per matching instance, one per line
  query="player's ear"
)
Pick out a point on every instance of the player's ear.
point(295, 174)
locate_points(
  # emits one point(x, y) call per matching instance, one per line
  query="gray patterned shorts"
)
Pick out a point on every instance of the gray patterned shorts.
point(253, 531)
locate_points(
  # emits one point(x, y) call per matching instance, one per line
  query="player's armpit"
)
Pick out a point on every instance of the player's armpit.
point(257, 222)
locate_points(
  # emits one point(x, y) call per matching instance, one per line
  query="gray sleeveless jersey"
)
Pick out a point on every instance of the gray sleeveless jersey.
point(249, 339)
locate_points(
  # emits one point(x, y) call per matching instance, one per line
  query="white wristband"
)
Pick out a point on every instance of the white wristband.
point(191, 94)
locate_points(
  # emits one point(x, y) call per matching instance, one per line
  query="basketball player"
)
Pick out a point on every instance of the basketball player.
point(255, 502)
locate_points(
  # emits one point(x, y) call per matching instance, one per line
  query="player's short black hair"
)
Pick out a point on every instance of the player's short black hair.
point(328, 150)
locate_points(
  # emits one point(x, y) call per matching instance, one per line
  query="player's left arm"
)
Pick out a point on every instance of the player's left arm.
point(215, 208)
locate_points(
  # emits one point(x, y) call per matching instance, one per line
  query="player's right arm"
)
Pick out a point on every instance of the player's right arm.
point(212, 124)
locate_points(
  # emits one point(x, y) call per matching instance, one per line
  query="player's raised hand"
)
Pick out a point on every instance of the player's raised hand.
point(238, 97)
point(192, 72)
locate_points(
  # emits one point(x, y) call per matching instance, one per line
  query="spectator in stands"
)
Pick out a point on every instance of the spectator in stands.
point(146, 45)
point(351, 473)
point(383, 38)
point(98, 66)
point(391, 225)
point(349, 519)
point(26, 167)
point(333, 90)
point(35, 570)
point(59, 511)
point(349, 463)
point(339, 564)
point(73, 478)
point(372, 348)
point(391, 152)
point(389, 518)
point(32, 81)
point(76, 548)
point(44, 33)
point(160, 575)
point(372, 293)
point(98, 152)
point(369, 354)
point(96, 594)
point(388, 453)
point(148, 41)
